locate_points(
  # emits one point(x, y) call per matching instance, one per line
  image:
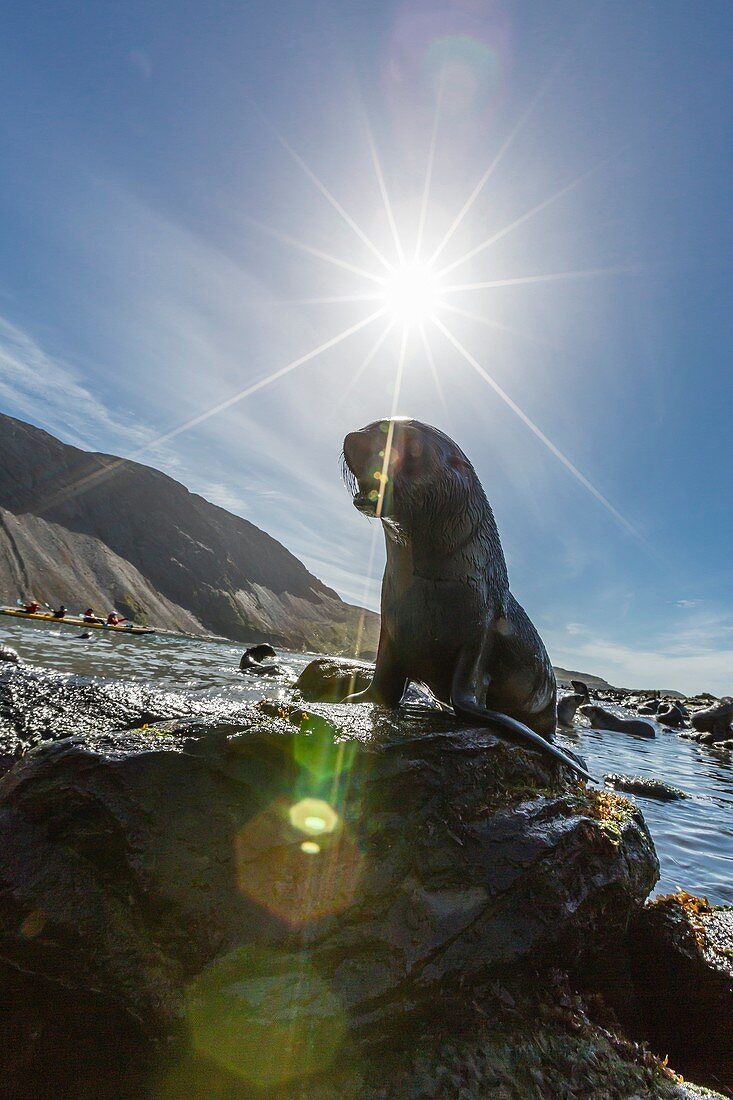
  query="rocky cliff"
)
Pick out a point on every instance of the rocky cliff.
point(90, 528)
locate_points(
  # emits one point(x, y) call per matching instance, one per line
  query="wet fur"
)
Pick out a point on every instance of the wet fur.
point(448, 617)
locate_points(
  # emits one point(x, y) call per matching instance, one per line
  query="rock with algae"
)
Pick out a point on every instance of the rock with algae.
point(681, 955)
point(276, 902)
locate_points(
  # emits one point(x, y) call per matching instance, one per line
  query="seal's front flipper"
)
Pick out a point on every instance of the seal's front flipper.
point(466, 706)
point(373, 694)
point(389, 683)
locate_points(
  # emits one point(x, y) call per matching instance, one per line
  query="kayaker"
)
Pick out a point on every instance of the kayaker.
point(32, 608)
point(90, 617)
point(60, 612)
point(113, 619)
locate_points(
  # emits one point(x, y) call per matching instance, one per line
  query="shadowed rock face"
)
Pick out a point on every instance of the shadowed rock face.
point(681, 954)
point(327, 886)
point(78, 526)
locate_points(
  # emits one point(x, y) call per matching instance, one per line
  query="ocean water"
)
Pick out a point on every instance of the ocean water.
point(694, 838)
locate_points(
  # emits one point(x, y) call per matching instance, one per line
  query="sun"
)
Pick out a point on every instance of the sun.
point(412, 293)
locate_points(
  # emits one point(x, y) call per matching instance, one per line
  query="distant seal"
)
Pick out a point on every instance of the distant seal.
point(254, 660)
point(448, 618)
point(603, 719)
point(9, 655)
point(567, 705)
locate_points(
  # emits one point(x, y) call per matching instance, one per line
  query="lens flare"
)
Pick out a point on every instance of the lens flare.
point(298, 860)
point(313, 816)
point(264, 1017)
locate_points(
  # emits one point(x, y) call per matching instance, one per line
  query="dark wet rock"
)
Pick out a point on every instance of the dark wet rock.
point(328, 680)
point(324, 886)
point(603, 719)
point(644, 787)
point(38, 705)
point(709, 739)
point(704, 699)
point(673, 715)
point(681, 953)
point(8, 655)
point(614, 695)
point(715, 721)
point(648, 706)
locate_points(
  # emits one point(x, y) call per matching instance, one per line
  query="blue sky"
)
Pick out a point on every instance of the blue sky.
point(158, 160)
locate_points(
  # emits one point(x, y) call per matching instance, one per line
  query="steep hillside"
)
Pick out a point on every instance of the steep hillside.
point(595, 683)
point(91, 528)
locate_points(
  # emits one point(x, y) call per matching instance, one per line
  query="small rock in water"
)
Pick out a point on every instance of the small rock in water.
point(715, 721)
point(645, 788)
point(673, 715)
point(330, 680)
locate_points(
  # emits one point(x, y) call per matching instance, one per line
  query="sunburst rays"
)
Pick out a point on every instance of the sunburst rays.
point(414, 293)
point(536, 431)
point(408, 292)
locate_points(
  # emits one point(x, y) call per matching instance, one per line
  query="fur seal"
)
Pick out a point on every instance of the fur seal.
point(568, 704)
point(254, 660)
point(448, 618)
point(603, 719)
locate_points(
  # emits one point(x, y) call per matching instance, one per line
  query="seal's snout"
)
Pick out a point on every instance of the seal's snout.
point(358, 448)
point(361, 460)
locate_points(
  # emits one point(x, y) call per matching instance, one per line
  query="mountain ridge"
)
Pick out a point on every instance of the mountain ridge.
point(86, 527)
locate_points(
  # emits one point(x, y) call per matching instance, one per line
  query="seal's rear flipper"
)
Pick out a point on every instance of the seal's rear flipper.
point(469, 708)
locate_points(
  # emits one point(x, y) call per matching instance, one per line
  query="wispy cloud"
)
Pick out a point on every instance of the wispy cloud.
point(696, 655)
point(47, 391)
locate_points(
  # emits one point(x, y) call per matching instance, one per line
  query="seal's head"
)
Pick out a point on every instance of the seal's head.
point(404, 471)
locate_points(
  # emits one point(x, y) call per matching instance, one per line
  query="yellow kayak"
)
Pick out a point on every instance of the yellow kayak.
point(74, 620)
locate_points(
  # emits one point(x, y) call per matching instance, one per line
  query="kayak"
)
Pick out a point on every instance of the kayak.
point(74, 620)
